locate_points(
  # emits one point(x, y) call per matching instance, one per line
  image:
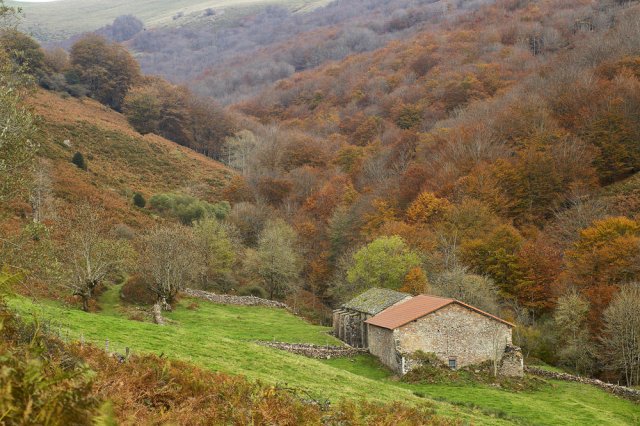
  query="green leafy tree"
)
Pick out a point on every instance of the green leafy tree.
point(17, 128)
point(385, 262)
point(216, 251)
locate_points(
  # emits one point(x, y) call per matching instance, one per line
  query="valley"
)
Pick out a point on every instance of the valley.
point(452, 187)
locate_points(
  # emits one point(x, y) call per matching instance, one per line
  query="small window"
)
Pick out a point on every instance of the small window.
point(453, 363)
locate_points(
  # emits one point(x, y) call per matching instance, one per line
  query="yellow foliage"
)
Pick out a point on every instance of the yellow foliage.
point(416, 282)
point(428, 208)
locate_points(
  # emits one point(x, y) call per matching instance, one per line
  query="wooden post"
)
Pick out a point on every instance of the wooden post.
point(126, 352)
point(106, 345)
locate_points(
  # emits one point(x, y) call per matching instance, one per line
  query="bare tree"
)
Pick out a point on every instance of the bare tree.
point(91, 254)
point(170, 261)
point(40, 194)
point(469, 288)
point(238, 149)
point(621, 344)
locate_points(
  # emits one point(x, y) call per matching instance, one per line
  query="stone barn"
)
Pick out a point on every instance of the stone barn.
point(348, 321)
point(459, 335)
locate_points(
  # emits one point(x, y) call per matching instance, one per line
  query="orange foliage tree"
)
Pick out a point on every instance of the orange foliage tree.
point(428, 208)
point(605, 256)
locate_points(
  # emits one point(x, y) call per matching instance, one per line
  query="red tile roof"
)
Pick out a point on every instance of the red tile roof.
point(417, 307)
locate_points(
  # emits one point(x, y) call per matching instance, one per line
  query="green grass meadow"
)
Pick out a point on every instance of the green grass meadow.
point(222, 338)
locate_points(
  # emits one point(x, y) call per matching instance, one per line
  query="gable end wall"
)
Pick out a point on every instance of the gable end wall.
point(455, 331)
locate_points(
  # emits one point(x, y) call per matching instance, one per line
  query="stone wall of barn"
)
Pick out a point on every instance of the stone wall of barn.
point(382, 344)
point(455, 332)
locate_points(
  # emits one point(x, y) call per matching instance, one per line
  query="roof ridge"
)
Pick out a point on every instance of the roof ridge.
point(398, 315)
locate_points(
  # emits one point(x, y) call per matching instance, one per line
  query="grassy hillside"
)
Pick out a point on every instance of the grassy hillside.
point(120, 161)
point(222, 338)
point(61, 19)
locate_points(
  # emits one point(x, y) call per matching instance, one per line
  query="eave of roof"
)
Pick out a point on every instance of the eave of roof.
point(418, 307)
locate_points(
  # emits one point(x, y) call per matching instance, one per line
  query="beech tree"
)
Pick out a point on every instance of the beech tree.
point(428, 208)
point(604, 256)
point(416, 282)
point(107, 69)
point(24, 51)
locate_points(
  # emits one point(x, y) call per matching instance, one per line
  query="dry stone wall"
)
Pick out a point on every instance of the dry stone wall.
point(225, 299)
point(622, 391)
point(315, 351)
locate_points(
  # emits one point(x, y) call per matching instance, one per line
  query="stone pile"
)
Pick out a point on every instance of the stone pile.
point(622, 391)
point(225, 299)
point(315, 351)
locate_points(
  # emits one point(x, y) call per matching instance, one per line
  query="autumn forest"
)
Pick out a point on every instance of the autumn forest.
point(485, 151)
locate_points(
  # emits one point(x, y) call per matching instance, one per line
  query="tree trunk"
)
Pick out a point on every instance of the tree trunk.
point(166, 306)
point(85, 303)
point(157, 313)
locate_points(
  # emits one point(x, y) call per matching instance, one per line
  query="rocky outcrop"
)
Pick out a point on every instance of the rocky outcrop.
point(621, 391)
point(225, 299)
point(315, 351)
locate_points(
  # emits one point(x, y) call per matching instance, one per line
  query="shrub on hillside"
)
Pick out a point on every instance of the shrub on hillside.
point(253, 290)
point(78, 160)
point(139, 200)
point(186, 208)
point(136, 291)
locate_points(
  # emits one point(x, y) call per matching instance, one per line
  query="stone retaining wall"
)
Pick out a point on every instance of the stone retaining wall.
point(621, 391)
point(315, 351)
point(225, 299)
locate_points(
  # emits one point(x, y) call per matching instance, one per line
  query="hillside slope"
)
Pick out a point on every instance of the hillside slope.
point(222, 338)
point(120, 161)
point(62, 19)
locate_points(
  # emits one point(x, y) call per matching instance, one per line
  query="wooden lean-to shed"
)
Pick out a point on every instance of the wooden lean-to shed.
point(349, 321)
